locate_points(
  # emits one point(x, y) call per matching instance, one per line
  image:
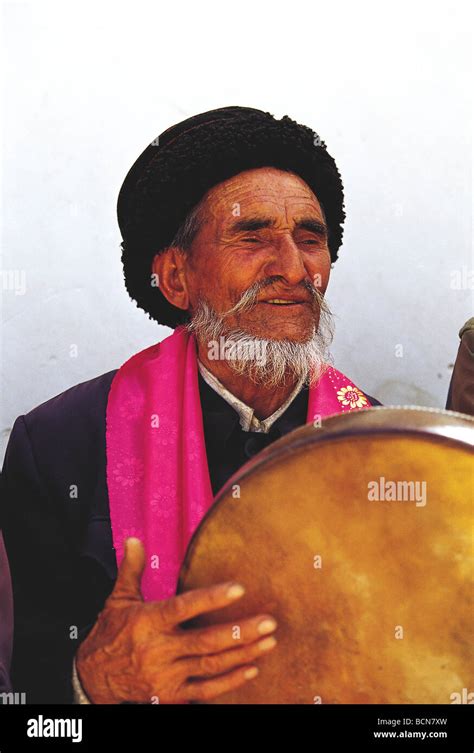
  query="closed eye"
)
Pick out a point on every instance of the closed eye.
point(250, 239)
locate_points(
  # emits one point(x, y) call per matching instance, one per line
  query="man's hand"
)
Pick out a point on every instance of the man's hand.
point(138, 652)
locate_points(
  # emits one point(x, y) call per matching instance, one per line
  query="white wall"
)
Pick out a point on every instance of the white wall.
point(87, 85)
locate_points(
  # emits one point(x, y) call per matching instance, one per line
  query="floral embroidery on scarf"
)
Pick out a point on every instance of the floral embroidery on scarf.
point(129, 472)
point(352, 396)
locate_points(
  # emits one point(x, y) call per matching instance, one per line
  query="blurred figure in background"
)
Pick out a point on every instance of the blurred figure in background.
point(461, 389)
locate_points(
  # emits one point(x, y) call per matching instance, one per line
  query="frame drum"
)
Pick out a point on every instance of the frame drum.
point(357, 537)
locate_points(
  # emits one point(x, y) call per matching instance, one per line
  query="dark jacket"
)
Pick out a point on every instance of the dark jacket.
point(60, 552)
point(60, 549)
point(6, 619)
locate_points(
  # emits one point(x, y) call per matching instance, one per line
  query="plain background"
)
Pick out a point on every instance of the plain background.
point(87, 85)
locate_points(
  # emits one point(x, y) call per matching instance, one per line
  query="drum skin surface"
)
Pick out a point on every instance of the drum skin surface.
point(372, 596)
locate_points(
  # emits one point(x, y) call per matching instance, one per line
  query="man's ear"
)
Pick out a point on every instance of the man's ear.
point(168, 270)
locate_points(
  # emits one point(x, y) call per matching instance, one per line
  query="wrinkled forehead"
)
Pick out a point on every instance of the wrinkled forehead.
point(266, 192)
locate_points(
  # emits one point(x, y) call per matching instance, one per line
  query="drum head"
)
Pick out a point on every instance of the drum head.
point(357, 538)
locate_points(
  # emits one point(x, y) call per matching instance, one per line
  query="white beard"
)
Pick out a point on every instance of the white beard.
point(265, 360)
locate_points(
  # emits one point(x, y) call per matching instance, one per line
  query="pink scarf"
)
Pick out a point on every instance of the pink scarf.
point(157, 473)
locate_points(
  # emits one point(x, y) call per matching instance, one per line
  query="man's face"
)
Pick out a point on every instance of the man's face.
point(260, 224)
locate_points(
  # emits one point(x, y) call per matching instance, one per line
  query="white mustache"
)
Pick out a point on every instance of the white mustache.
point(249, 298)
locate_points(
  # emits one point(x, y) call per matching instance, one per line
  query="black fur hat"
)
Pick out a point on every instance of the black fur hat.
point(175, 171)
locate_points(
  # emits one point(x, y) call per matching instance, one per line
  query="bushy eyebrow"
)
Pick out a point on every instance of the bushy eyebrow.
point(252, 224)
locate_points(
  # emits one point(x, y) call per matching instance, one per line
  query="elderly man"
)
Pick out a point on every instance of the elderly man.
point(230, 223)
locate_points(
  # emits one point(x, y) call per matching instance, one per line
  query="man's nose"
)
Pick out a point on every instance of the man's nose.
point(286, 261)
